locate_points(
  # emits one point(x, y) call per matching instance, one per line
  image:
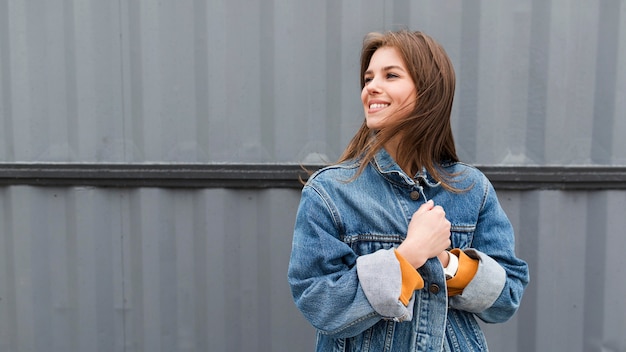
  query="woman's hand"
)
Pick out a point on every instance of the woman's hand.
point(428, 235)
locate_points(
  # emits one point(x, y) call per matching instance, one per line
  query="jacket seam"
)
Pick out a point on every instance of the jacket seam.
point(330, 207)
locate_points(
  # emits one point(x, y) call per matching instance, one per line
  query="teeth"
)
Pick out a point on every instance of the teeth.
point(378, 106)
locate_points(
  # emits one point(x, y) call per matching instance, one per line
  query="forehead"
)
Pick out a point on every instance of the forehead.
point(384, 57)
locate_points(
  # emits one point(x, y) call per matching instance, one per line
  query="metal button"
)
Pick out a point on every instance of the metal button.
point(415, 195)
point(434, 289)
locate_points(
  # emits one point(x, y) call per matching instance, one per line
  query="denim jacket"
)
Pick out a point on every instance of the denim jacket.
point(346, 279)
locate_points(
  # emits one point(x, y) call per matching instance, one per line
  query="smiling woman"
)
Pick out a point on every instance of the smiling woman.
point(399, 246)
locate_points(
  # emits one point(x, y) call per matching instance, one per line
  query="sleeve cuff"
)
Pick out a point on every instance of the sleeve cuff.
point(380, 278)
point(467, 269)
point(411, 280)
point(485, 288)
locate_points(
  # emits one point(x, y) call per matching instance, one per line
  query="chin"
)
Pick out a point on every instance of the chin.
point(373, 125)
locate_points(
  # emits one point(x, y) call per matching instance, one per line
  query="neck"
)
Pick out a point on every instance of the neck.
point(392, 149)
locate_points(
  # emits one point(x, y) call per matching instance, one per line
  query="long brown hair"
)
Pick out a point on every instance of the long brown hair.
point(425, 134)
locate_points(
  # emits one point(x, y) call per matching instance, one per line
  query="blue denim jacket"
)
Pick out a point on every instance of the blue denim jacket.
point(346, 279)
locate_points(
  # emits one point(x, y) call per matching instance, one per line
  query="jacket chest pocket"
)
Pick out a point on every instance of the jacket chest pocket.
point(462, 236)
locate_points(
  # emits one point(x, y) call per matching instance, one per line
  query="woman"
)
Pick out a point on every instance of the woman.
point(399, 246)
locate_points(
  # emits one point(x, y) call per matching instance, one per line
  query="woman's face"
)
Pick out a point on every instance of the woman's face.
point(389, 93)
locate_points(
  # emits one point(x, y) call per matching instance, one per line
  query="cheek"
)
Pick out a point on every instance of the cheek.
point(363, 96)
point(411, 99)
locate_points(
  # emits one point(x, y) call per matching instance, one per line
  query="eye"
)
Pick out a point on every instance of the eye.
point(367, 80)
point(392, 75)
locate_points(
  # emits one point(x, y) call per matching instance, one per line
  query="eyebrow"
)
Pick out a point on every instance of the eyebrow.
point(387, 68)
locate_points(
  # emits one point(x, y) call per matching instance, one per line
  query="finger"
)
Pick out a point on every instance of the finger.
point(425, 207)
point(439, 209)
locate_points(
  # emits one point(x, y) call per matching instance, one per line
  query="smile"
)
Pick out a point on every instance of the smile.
point(378, 106)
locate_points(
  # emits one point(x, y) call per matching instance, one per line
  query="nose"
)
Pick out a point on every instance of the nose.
point(372, 87)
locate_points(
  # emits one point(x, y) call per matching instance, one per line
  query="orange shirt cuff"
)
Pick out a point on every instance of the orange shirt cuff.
point(467, 269)
point(411, 279)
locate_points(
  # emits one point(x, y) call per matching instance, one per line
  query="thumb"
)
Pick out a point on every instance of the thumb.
point(425, 207)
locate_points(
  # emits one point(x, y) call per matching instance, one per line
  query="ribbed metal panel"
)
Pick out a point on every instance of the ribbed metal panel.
point(91, 269)
point(277, 81)
point(573, 242)
point(88, 269)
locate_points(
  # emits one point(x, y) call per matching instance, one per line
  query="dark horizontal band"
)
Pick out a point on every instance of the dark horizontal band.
point(280, 175)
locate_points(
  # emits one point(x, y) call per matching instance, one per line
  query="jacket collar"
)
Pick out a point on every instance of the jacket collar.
point(391, 171)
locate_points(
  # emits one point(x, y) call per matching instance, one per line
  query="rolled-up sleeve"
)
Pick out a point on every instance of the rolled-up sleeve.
point(484, 288)
point(380, 275)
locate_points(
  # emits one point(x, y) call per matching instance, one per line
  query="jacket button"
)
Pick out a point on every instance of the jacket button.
point(415, 195)
point(434, 289)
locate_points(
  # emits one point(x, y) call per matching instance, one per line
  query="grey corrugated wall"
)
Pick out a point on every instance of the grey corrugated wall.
point(539, 82)
point(89, 269)
point(150, 269)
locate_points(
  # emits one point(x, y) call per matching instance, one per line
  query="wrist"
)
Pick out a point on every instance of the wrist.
point(410, 256)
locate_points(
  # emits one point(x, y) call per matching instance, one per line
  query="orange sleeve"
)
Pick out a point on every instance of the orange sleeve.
point(411, 279)
point(465, 273)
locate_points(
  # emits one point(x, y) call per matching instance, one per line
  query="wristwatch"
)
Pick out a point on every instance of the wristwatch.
point(453, 266)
